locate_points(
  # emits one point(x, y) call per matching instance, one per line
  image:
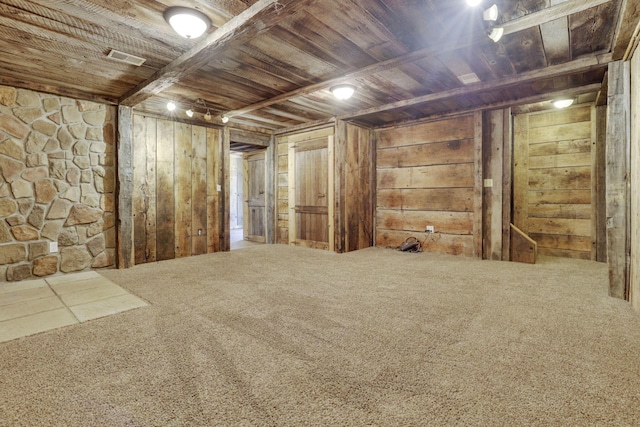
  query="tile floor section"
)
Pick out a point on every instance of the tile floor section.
point(34, 306)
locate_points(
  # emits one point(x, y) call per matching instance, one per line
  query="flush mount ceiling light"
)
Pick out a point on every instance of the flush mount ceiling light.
point(496, 34)
point(491, 14)
point(343, 92)
point(189, 23)
point(474, 2)
point(563, 103)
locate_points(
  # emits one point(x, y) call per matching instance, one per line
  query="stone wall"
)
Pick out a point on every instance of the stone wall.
point(57, 181)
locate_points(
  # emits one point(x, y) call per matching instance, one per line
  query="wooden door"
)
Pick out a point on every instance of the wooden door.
point(255, 199)
point(311, 191)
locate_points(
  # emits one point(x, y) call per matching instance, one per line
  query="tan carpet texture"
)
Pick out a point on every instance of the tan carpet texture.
point(285, 336)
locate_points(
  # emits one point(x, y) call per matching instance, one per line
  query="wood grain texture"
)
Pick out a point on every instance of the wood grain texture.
point(178, 168)
point(198, 190)
point(443, 194)
point(634, 275)
point(523, 248)
point(166, 219)
point(618, 147)
point(126, 256)
point(558, 193)
point(214, 179)
point(183, 182)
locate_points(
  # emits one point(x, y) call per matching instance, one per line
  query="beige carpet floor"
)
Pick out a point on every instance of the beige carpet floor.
point(285, 336)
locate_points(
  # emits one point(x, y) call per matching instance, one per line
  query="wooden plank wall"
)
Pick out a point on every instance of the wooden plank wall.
point(634, 279)
point(282, 190)
point(552, 181)
point(497, 169)
point(354, 187)
point(429, 174)
point(618, 152)
point(177, 168)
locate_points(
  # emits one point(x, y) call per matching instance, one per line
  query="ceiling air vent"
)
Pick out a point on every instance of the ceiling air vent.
point(468, 79)
point(125, 57)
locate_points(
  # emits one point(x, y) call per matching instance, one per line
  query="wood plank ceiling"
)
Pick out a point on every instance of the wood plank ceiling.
point(274, 70)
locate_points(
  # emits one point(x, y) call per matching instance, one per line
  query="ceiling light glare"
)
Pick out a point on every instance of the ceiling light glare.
point(496, 34)
point(474, 2)
point(171, 106)
point(189, 112)
point(491, 14)
point(563, 103)
point(224, 119)
point(343, 92)
point(189, 23)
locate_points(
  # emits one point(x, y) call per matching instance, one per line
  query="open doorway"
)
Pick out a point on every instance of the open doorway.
point(247, 201)
point(236, 199)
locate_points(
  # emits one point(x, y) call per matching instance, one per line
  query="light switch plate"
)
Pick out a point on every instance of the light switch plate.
point(219, 187)
point(488, 183)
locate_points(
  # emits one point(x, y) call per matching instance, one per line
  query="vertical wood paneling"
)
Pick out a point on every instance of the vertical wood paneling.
point(360, 188)
point(594, 185)
point(198, 190)
point(445, 192)
point(125, 187)
point(225, 237)
point(214, 179)
point(601, 184)
point(553, 193)
point(507, 183)
point(618, 148)
point(271, 165)
point(139, 180)
point(521, 171)
point(341, 195)
point(149, 189)
point(282, 193)
point(183, 189)
point(177, 170)
point(634, 279)
point(165, 196)
point(493, 135)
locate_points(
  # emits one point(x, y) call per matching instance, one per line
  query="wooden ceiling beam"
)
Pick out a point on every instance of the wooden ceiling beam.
point(628, 30)
point(253, 21)
point(555, 12)
point(580, 65)
point(549, 14)
point(362, 72)
point(504, 104)
point(55, 89)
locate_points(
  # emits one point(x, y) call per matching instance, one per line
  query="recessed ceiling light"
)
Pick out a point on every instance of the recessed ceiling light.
point(474, 2)
point(343, 92)
point(563, 103)
point(189, 23)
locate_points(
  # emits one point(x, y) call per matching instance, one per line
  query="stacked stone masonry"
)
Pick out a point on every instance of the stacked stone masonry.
point(57, 182)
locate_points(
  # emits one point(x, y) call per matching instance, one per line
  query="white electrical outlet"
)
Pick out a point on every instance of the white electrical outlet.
point(488, 183)
point(429, 229)
point(219, 187)
point(53, 247)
